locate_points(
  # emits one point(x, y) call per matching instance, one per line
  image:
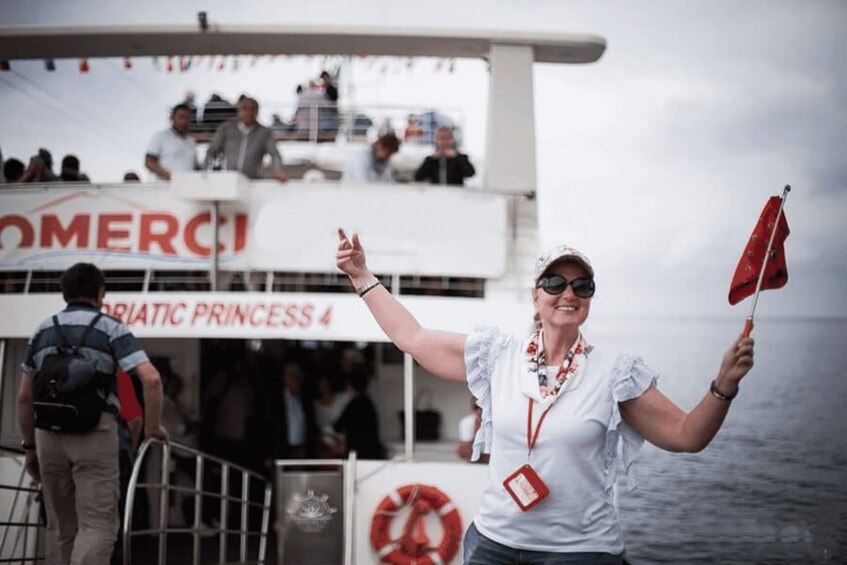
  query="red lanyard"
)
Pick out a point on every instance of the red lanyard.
point(530, 437)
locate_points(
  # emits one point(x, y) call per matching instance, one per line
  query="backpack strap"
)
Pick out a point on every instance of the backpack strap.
point(105, 384)
point(63, 343)
point(87, 329)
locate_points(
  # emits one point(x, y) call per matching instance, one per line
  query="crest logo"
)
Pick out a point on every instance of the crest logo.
point(311, 513)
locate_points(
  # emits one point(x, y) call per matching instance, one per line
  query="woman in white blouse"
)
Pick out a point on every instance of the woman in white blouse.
point(584, 411)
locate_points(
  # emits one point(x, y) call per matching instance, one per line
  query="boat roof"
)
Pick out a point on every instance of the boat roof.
point(76, 41)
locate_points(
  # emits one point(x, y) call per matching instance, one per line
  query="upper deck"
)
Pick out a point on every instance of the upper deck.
point(463, 246)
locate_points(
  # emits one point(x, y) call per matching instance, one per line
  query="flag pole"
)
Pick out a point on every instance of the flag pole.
point(748, 324)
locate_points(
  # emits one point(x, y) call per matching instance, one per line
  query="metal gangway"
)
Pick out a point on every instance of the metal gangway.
point(21, 522)
point(242, 498)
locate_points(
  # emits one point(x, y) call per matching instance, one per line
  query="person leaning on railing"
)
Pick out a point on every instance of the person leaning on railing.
point(372, 164)
point(445, 165)
point(171, 149)
point(242, 145)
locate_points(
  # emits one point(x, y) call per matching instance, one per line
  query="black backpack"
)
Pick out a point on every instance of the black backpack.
point(69, 394)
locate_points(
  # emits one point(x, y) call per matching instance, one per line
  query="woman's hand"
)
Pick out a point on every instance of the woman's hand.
point(350, 257)
point(737, 361)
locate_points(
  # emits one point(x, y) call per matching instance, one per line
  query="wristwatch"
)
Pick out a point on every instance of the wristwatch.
point(27, 446)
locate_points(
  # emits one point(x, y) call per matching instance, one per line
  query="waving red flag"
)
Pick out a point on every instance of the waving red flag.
point(750, 266)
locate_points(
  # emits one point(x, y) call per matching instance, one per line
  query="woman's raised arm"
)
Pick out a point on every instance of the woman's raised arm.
point(440, 353)
point(665, 425)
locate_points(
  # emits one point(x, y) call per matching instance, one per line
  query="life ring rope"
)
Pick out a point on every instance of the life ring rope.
point(412, 547)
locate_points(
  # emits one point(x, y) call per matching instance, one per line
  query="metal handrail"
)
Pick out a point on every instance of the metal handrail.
point(23, 524)
point(202, 460)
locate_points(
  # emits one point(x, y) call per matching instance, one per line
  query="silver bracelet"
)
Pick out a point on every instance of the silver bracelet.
point(366, 287)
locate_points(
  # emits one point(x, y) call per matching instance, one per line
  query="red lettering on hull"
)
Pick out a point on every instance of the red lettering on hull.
point(154, 233)
point(23, 225)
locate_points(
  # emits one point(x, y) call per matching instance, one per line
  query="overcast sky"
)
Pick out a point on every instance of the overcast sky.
point(656, 161)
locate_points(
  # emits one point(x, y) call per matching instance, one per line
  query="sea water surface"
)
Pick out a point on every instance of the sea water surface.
point(772, 486)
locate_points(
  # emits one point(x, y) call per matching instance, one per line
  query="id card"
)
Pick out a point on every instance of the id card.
point(526, 487)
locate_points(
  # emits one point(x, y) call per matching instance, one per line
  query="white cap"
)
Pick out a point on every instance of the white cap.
point(561, 253)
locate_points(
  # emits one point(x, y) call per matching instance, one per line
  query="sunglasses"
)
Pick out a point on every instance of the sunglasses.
point(556, 284)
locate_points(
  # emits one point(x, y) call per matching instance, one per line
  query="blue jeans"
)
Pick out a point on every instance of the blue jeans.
point(480, 550)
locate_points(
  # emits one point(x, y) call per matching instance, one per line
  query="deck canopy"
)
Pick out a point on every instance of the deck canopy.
point(55, 42)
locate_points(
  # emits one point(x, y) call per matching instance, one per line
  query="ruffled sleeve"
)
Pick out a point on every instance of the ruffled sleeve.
point(482, 348)
point(630, 379)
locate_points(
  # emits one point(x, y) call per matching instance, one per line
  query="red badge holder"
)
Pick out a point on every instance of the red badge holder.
point(526, 487)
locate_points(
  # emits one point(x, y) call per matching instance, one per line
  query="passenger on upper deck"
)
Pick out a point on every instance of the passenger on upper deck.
point(40, 168)
point(446, 165)
point(414, 131)
point(243, 144)
point(330, 90)
point(216, 111)
point(171, 149)
point(193, 122)
point(372, 165)
point(70, 170)
point(13, 170)
point(329, 115)
point(309, 101)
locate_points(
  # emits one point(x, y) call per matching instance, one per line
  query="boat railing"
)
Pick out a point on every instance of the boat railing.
point(324, 121)
point(151, 281)
point(238, 499)
point(21, 522)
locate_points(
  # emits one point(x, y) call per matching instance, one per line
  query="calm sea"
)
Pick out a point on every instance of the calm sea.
point(772, 487)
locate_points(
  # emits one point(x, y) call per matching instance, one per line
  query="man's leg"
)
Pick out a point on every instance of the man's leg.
point(96, 475)
point(57, 489)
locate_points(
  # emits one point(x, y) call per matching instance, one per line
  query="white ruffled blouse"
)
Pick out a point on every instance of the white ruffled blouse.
point(581, 447)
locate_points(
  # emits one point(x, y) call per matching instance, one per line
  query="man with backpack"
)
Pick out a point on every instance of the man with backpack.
point(68, 417)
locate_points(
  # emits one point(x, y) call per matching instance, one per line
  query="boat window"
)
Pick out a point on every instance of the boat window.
point(465, 287)
point(45, 281)
point(124, 281)
point(12, 282)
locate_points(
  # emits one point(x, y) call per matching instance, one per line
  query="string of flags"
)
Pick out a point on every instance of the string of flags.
point(234, 63)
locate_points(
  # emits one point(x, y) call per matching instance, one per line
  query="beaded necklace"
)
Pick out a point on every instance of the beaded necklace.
point(537, 358)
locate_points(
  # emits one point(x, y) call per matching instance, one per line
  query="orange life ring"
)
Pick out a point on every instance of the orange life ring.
point(413, 547)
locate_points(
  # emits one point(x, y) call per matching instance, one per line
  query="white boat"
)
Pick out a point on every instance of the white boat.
point(457, 257)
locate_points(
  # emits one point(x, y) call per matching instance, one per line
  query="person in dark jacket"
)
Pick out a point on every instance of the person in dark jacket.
point(291, 414)
point(446, 165)
point(359, 422)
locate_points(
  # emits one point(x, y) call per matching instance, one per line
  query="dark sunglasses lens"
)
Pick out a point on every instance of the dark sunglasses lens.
point(554, 284)
point(584, 287)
